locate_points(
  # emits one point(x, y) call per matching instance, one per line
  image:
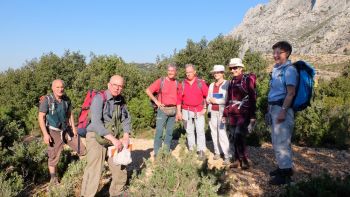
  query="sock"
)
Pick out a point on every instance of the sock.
point(53, 175)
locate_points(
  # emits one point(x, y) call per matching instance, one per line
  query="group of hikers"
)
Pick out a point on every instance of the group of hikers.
point(230, 106)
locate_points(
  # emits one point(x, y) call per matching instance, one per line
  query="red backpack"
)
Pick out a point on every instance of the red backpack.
point(84, 118)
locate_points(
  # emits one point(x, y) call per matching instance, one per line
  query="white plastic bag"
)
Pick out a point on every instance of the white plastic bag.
point(123, 157)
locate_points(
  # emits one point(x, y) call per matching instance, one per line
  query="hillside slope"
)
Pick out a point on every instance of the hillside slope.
point(312, 26)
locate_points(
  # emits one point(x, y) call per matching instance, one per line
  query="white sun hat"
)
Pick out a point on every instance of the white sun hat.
point(218, 68)
point(236, 62)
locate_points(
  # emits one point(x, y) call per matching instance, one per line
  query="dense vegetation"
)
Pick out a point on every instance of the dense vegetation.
point(325, 123)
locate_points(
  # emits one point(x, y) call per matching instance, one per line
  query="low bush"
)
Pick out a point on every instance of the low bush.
point(169, 176)
point(10, 185)
point(323, 185)
point(71, 180)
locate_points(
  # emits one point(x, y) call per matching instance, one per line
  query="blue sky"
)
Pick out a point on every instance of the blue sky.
point(137, 31)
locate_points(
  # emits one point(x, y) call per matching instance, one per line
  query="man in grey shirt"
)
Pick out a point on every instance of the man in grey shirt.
point(108, 113)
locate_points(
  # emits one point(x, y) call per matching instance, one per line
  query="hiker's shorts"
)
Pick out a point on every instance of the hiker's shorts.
point(56, 146)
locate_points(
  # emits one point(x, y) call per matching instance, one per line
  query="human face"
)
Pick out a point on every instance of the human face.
point(58, 88)
point(280, 56)
point(236, 70)
point(116, 85)
point(190, 73)
point(218, 75)
point(171, 72)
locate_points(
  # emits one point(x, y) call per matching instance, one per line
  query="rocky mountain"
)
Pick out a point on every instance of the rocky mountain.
point(312, 26)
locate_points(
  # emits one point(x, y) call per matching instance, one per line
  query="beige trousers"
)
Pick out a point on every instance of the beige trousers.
point(95, 156)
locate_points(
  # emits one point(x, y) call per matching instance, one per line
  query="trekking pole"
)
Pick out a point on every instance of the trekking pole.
point(78, 144)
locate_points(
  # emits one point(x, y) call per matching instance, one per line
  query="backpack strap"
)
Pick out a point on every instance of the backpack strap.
point(161, 87)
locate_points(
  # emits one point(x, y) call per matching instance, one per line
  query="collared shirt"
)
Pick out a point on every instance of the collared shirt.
point(278, 83)
point(192, 97)
point(168, 94)
point(102, 113)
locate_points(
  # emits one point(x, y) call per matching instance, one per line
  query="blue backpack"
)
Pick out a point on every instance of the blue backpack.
point(304, 90)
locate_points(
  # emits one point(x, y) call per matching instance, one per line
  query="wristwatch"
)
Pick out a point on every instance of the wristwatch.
point(285, 109)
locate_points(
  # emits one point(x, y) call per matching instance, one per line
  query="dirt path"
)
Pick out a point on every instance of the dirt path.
point(254, 182)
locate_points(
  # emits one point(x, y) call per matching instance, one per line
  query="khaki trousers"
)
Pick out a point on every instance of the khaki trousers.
point(95, 156)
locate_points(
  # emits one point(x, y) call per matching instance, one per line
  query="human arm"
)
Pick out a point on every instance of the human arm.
point(42, 124)
point(286, 103)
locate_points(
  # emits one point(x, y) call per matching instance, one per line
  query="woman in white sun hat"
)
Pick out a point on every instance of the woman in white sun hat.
point(216, 100)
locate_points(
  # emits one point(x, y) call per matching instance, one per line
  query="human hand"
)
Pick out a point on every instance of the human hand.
point(159, 104)
point(47, 139)
point(118, 145)
point(126, 140)
point(75, 132)
point(251, 125)
point(223, 120)
point(281, 116)
point(204, 110)
point(212, 100)
point(178, 116)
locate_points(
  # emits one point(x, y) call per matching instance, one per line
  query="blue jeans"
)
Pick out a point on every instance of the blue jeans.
point(163, 121)
point(281, 134)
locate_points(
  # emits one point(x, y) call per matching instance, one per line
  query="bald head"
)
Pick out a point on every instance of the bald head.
point(57, 82)
point(58, 88)
point(116, 84)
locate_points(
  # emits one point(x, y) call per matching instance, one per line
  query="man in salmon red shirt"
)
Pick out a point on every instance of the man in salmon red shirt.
point(191, 99)
point(166, 100)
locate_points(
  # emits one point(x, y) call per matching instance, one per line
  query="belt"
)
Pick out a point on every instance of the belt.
point(54, 128)
point(169, 105)
point(279, 103)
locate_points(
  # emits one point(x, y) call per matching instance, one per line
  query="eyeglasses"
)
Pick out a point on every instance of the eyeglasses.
point(234, 68)
point(116, 85)
point(278, 52)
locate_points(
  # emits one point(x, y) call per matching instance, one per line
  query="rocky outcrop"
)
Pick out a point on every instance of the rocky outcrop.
point(312, 26)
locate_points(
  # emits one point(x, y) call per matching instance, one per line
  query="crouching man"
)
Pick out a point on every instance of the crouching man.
point(110, 126)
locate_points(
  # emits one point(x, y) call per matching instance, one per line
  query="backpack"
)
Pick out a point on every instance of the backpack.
point(246, 79)
point(52, 109)
point(304, 90)
point(162, 80)
point(199, 85)
point(84, 117)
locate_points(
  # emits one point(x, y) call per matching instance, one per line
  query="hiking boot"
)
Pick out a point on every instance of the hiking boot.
point(275, 172)
point(226, 162)
point(54, 181)
point(201, 155)
point(216, 157)
point(245, 164)
point(235, 164)
point(280, 180)
point(282, 177)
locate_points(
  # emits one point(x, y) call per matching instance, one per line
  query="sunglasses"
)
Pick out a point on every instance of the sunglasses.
point(234, 68)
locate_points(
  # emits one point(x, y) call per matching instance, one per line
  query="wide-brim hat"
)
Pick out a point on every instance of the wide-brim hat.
point(218, 68)
point(236, 62)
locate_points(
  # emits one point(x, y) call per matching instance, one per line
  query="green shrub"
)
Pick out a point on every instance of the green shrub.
point(142, 115)
point(10, 185)
point(322, 186)
point(169, 176)
point(29, 160)
point(71, 180)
